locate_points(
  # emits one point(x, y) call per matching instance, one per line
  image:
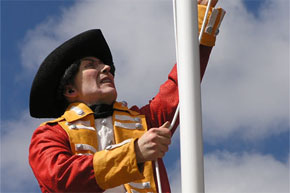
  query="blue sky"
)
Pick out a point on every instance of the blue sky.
point(245, 91)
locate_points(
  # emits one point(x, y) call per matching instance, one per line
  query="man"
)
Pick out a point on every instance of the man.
point(98, 144)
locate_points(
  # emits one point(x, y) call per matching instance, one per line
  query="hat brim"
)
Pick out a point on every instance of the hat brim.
point(43, 94)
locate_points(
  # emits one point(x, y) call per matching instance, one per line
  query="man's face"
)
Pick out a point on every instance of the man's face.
point(94, 84)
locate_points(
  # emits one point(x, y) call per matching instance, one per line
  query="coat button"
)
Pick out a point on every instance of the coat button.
point(137, 119)
point(146, 184)
point(104, 122)
point(209, 29)
point(139, 126)
point(124, 103)
point(80, 112)
point(71, 126)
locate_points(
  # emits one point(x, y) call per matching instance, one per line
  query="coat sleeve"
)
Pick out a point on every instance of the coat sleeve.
point(54, 166)
point(162, 107)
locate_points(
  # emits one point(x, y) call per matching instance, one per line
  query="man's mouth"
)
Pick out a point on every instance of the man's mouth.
point(106, 80)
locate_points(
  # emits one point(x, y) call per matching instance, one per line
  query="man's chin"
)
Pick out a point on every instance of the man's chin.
point(111, 97)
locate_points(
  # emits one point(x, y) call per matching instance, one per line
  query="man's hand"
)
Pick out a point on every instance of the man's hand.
point(204, 2)
point(153, 144)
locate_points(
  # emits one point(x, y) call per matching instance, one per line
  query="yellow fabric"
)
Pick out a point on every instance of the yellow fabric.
point(207, 39)
point(80, 136)
point(71, 116)
point(117, 166)
point(114, 166)
point(119, 106)
point(52, 121)
point(148, 174)
point(122, 134)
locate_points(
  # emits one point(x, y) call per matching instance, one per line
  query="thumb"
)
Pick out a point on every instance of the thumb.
point(166, 124)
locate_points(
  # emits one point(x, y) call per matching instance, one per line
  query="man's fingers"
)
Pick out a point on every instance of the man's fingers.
point(205, 2)
point(162, 132)
point(164, 140)
point(166, 125)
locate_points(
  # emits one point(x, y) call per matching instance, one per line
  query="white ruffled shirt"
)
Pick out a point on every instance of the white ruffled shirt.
point(105, 132)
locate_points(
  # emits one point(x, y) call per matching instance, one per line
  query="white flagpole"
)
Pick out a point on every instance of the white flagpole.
point(178, 107)
point(191, 143)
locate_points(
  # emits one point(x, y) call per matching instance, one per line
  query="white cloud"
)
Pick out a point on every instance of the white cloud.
point(224, 171)
point(239, 173)
point(247, 82)
point(246, 89)
point(16, 174)
point(140, 34)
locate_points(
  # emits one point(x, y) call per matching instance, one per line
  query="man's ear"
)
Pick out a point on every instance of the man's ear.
point(70, 92)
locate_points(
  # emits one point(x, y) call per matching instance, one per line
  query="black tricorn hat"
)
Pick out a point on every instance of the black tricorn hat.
point(44, 101)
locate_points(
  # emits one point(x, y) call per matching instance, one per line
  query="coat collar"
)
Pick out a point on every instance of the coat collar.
point(77, 111)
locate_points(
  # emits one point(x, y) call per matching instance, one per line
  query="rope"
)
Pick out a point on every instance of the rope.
point(178, 107)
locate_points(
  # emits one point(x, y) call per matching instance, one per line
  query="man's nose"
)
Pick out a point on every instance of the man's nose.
point(106, 69)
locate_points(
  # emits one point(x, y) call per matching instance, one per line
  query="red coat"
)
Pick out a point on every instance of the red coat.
point(58, 170)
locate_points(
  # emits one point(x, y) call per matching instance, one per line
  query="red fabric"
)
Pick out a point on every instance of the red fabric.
point(162, 107)
point(58, 170)
point(54, 165)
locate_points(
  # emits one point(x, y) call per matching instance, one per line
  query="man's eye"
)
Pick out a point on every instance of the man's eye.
point(89, 65)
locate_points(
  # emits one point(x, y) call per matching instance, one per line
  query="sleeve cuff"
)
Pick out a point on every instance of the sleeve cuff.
point(214, 19)
point(117, 165)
